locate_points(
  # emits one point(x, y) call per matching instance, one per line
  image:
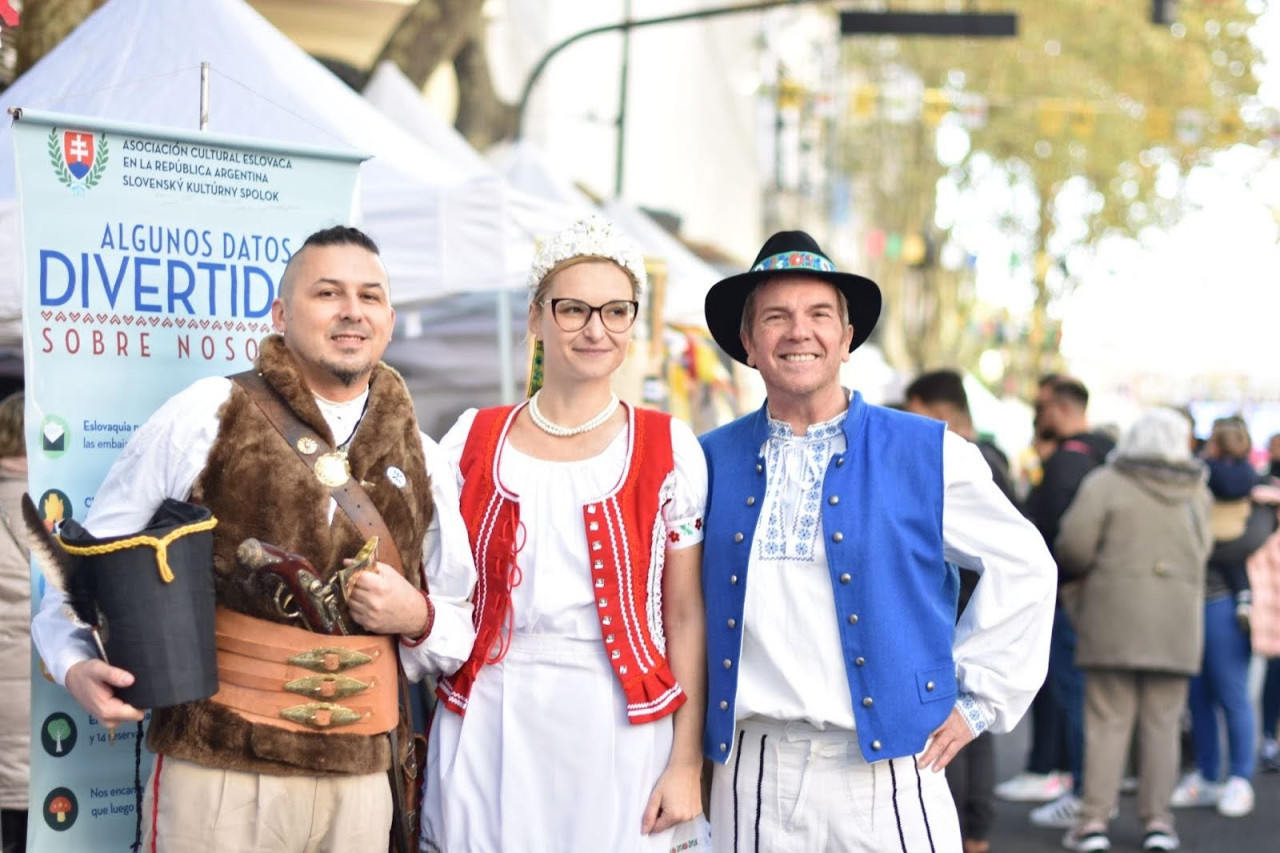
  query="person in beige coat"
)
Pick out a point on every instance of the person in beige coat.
point(1137, 536)
point(15, 630)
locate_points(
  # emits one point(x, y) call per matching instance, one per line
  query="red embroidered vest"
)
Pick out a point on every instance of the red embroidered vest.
point(626, 543)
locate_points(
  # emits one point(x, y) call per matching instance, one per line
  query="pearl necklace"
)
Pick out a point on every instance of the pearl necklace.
point(541, 422)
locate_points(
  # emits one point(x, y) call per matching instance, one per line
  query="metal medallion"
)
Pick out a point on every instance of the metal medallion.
point(397, 477)
point(307, 445)
point(332, 468)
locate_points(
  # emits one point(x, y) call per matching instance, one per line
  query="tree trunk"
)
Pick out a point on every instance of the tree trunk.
point(430, 33)
point(433, 32)
point(482, 117)
point(44, 24)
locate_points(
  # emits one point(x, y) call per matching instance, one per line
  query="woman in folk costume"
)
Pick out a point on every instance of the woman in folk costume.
point(577, 722)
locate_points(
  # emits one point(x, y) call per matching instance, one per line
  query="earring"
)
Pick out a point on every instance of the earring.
point(535, 369)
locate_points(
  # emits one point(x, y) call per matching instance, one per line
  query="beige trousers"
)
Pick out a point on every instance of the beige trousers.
point(201, 810)
point(1115, 701)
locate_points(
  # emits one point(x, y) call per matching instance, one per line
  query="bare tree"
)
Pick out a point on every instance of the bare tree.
point(44, 24)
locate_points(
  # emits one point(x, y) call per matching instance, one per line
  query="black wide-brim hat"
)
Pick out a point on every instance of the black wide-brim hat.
point(788, 252)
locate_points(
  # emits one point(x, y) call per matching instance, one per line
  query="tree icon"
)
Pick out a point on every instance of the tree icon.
point(58, 728)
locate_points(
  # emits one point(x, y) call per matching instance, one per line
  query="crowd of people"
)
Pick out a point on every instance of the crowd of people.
point(797, 632)
point(1161, 542)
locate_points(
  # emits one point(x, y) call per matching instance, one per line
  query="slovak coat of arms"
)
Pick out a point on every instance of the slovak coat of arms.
point(78, 157)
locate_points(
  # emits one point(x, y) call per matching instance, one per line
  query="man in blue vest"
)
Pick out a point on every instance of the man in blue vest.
point(839, 683)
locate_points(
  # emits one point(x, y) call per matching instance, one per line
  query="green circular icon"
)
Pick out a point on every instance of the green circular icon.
point(58, 734)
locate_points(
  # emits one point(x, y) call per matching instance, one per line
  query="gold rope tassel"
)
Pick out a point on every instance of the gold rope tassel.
point(160, 544)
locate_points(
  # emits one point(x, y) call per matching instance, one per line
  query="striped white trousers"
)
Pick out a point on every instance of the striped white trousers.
point(790, 788)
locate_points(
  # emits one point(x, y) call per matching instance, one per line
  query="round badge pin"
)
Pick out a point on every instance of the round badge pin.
point(397, 477)
point(307, 444)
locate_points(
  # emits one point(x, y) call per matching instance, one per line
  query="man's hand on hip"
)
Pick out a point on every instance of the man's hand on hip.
point(946, 741)
point(91, 683)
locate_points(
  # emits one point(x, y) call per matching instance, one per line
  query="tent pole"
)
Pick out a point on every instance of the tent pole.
point(506, 378)
point(204, 96)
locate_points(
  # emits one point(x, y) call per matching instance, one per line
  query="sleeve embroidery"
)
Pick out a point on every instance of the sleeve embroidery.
point(974, 714)
point(685, 528)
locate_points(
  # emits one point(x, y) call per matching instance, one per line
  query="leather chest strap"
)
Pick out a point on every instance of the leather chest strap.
point(309, 447)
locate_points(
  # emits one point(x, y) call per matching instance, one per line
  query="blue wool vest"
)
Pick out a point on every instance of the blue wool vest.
point(895, 597)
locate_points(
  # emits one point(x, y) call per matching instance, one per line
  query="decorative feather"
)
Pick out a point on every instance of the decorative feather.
point(60, 568)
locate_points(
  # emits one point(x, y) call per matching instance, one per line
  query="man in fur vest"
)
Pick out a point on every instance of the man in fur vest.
point(258, 767)
point(839, 683)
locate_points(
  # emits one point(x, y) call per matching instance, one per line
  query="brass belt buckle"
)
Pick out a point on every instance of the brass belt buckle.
point(332, 659)
point(321, 715)
point(327, 686)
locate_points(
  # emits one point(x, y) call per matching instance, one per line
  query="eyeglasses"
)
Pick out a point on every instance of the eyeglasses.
point(573, 315)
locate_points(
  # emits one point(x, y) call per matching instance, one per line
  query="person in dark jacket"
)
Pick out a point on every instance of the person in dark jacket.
point(971, 775)
point(1061, 409)
point(940, 394)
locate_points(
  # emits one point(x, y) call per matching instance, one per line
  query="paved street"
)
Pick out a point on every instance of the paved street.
point(1202, 830)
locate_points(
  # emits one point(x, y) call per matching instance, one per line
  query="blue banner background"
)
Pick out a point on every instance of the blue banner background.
point(151, 259)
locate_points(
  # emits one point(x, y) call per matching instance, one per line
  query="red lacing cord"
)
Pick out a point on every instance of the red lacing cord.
point(514, 577)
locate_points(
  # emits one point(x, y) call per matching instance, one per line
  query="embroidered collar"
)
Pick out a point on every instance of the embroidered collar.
point(815, 432)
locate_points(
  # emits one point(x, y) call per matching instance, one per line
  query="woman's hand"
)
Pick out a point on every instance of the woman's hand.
point(676, 798)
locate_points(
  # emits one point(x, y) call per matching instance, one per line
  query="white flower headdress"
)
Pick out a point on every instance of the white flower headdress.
point(596, 237)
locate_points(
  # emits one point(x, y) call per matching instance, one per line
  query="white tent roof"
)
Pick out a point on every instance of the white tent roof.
point(439, 226)
point(395, 95)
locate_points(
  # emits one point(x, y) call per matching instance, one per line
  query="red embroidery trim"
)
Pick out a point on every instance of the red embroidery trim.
point(155, 804)
point(515, 575)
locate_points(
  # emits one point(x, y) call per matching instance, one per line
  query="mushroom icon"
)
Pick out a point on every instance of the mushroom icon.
point(59, 808)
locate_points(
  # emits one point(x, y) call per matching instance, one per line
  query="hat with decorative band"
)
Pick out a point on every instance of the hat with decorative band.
point(787, 253)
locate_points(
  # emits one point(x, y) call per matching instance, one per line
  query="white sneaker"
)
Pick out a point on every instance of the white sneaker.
point(1194, 791)
point(1089, 841)
point(1062, 813)
point(1160, 841)
point(1034, 787)
point(1236, 799)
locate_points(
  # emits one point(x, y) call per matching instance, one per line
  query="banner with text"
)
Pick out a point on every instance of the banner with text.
point(152, 256)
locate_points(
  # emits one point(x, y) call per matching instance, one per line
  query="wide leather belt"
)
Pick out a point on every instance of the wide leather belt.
point(278, 675)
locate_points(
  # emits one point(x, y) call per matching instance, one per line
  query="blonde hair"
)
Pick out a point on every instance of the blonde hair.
point(1231, 438)
point(540, 292)
point(12, 437)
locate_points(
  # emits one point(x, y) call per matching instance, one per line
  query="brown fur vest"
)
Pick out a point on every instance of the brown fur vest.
point(257, 486)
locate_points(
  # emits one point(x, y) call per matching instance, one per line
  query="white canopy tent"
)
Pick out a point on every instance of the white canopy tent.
point(440, 224)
